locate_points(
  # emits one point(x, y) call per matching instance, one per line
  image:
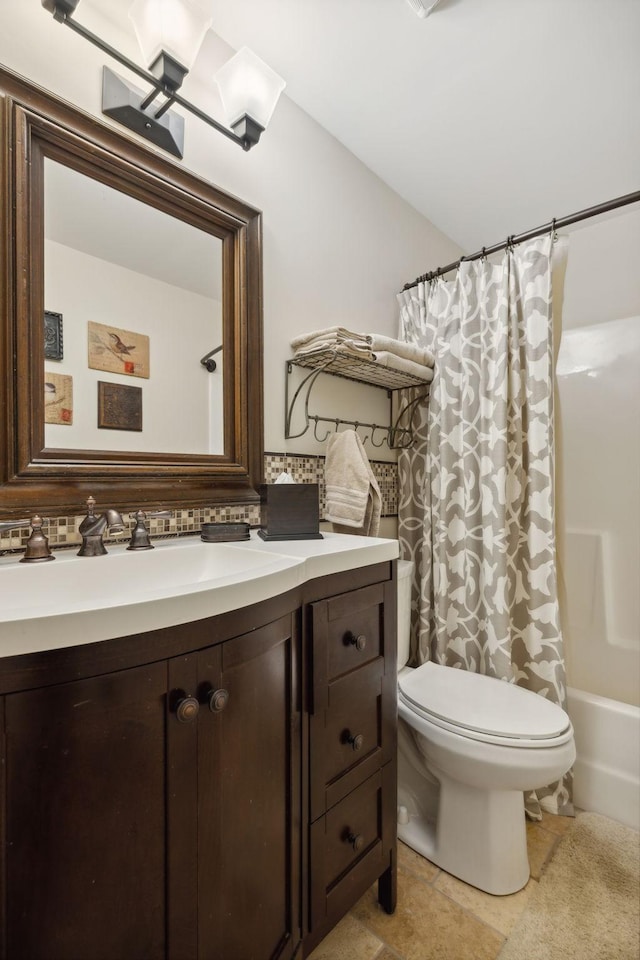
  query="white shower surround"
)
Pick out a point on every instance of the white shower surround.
point(607, 770)
point(599, 460)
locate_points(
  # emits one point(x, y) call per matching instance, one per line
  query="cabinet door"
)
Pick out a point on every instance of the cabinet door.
point(249, 796)
point(84, 824)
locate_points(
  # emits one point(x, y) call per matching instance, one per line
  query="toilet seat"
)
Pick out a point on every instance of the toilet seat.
point(482, 708)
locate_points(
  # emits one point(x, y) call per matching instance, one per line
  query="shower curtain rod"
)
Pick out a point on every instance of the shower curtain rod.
point(530, 234)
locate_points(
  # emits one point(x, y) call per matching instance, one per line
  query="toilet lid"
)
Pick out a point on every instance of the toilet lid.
point(481, 705)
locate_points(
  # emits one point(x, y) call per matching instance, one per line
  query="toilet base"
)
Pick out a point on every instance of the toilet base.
point(479, 836)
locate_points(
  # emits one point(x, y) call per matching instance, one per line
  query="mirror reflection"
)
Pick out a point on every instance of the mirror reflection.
point(133, 301)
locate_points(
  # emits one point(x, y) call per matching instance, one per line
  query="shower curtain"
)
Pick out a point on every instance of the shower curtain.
point(476, 490)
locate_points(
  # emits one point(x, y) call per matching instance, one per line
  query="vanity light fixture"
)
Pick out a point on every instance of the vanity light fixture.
point(170, 33)
point(423, 9)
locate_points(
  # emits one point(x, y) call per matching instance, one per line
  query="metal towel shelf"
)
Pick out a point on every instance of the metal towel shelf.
point(360, 370)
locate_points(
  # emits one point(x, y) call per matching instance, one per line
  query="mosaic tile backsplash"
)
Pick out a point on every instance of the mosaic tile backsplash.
point(63, 531)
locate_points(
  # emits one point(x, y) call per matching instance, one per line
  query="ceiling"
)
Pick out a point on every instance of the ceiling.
point(489, 116)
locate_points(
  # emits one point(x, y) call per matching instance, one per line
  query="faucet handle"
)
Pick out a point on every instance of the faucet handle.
point(140, 535)
point(37, 545)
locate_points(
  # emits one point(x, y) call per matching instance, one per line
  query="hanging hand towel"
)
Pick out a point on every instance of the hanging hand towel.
point(352, 492)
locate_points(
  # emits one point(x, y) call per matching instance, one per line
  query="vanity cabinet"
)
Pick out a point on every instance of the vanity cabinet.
point(219, 790)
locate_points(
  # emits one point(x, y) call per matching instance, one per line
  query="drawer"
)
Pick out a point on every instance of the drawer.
point(353, 727)
point(350, 629)
point(351, 845)
point(353, 736)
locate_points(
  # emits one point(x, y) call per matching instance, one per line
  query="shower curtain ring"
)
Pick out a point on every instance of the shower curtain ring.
point(554, 232)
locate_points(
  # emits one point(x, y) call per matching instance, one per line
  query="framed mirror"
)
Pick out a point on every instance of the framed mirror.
point(121, 273)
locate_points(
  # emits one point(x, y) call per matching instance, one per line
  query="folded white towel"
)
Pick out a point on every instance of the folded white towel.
point(394, 362)
point(410, 351)
point(353, 501)
point(332, 338)
point(353, 348)
point(329, 333)
point(365, 343)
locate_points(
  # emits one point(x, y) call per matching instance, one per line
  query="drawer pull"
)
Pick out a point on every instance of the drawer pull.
point(356, 740)
point(218, 699)
point(187, 709)
point(358, 642)
point(356, 840)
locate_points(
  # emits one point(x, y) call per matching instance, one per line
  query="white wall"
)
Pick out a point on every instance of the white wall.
point(178, 409)
point(599, 457)
point(338, 243)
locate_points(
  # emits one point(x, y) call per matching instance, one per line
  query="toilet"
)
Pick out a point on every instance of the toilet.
point(468, 746)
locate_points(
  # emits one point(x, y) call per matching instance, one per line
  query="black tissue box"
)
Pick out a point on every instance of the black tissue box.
point(289, 511)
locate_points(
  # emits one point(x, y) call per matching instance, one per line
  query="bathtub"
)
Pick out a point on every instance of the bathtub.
point(607, 768)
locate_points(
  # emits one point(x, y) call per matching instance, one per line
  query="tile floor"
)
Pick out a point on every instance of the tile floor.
point(438, 917)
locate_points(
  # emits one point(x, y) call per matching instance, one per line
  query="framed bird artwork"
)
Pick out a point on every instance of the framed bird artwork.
point(58, 398)
point(118, 351)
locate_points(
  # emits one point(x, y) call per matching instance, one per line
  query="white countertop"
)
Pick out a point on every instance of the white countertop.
point(77, 600)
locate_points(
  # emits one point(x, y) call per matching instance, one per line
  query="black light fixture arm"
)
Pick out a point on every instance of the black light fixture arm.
point(62, 10)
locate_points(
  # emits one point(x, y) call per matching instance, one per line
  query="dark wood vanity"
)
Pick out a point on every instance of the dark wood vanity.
point(219, 790)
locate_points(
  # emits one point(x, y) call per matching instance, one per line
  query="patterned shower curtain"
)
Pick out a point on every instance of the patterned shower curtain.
point(476, 509)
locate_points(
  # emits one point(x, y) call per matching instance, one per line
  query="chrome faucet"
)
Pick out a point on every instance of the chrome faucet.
point(93, 527)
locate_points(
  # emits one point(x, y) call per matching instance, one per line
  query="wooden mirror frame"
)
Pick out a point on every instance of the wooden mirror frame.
point(36, 125)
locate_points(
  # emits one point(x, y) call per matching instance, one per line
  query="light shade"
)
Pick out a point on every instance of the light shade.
point(248, 87)
point(176, 27)
point(423, 9)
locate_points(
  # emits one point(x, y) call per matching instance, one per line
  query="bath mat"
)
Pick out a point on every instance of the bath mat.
point(587, 905)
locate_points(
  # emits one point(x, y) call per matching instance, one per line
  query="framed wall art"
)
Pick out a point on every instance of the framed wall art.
point(58, 398)
point(118, 351)
point(119, 406)
point(52, 335)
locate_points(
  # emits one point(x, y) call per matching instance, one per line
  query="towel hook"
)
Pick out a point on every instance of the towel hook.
point(376, 426)
point(315, 418)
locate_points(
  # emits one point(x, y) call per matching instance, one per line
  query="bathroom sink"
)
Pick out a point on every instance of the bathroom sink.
point(77, 600)
point(46, 605)
point(124, 576)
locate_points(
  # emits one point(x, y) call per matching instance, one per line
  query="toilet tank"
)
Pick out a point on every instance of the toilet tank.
point(405, 580)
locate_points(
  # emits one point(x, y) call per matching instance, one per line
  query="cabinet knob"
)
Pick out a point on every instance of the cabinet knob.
point(218, 699)
point(356, 840)
point(356, 740)
point(187, 709)
point(358, 642)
